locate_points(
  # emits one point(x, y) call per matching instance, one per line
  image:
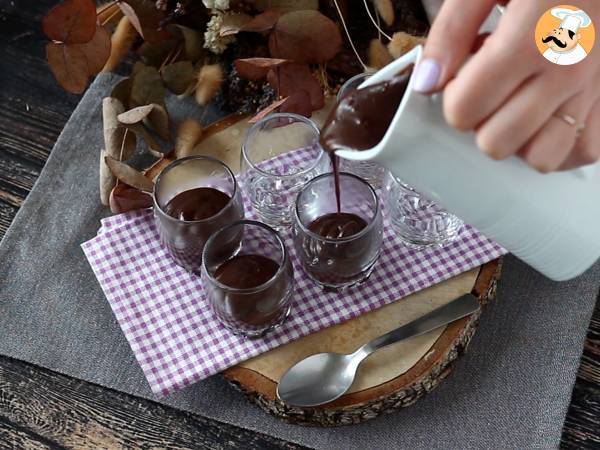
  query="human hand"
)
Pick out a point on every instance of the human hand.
point(517, 102)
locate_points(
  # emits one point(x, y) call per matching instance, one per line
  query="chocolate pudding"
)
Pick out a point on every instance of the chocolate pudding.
point(199, 213)
point(255, 309)
point(339, 263)
point(337, 225)
point(197, 204)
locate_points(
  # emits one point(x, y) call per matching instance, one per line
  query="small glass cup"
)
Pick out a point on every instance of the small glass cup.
point(280, 153)
point(248, 277)
point(338, 263)
point(368, 170)
point(418, 221)
point(185, 239)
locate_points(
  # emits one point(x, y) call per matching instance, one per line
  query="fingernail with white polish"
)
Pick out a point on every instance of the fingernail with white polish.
point(427, 75)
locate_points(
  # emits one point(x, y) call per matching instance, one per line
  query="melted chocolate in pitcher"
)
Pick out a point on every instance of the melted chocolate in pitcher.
point(361, 118)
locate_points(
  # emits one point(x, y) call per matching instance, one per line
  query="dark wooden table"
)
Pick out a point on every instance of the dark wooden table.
point(42, 409)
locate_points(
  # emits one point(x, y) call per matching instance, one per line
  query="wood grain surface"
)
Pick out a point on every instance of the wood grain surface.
point(40, 409)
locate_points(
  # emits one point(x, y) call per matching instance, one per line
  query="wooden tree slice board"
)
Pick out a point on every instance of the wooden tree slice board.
point(392, 378)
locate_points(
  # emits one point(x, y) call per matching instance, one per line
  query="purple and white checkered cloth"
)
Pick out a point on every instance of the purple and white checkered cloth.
point(177, 341)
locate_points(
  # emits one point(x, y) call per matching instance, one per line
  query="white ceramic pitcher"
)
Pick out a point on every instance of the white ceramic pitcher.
point(550, 221)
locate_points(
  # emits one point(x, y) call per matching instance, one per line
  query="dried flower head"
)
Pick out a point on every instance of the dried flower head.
point(216, 4)
point(213, 41)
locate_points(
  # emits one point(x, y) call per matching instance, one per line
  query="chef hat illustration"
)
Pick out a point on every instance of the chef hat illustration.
point(572, 20)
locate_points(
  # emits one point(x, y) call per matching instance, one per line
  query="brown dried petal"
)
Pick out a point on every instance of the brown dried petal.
point(122, 91)
point(256, 68)
point(159, 121)
point(71, 22)
point(155, 53)
point(68, 65)
point(152, 143)
point(305, 37)
point(232, 23)
point(128, 175)
point(294, 77)
point(193, 42)
point(135, 115)
point(286, 5)
point(178, 76)
point(299, 103)
point(124, 198)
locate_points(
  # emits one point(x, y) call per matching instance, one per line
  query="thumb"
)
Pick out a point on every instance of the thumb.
point(452, 35)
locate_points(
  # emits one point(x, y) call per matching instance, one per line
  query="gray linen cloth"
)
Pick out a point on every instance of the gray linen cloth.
point(510, 390)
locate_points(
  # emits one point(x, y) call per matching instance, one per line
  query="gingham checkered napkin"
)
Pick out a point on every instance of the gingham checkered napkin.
point(177, 341)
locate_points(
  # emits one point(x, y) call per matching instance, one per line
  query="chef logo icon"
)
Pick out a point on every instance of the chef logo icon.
point(565, 35)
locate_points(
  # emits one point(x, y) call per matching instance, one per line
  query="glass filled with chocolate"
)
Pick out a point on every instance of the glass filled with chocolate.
point(194, 197)
point(338, 232)
point(248, 277)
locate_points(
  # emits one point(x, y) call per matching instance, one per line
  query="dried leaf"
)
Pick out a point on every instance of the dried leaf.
point(385, 8)
point(294, 77)
point(403, 42)
point(286, 5)
point(193, 41)
point(146, 87)
point(128, 175)
point(159, 121)
point(189, 133)
point(121, 41)
point(232, 23)
point(267, 110)
point(122, 91)
point(107, 180)
point(97, 50)
point(135, 115)
point(256, 68)
point(113, 132)
point(71, 22)
point(141, 131)
point(68, 65)
point(109, 15)
point(178, 76)
point(299, 103)
point(145, 18)
point(262, 22)
point(124, 198)
point(305, 37)
point(379, 56)
point(209, 81)
point(155, 53)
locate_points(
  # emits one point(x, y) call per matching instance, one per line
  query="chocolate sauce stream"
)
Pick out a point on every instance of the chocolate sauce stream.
point(361, 118)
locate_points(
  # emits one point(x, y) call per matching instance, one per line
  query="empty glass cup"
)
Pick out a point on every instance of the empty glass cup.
point(280, 153)
point(194, 197)
point(248, 277)
point(338, 249)
point(418, 221)
point(368, 170)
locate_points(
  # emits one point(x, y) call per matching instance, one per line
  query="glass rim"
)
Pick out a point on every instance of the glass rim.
point(176, 163)
point(299, 118)
point(260, 287)
point(365, 74)
point(362, 232)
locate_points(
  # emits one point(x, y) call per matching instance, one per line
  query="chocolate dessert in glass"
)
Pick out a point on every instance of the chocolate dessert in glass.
point(338, 244)
point(248, 277)
point(194, 197)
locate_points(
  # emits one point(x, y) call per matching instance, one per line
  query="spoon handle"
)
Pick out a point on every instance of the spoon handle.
point(456, 309)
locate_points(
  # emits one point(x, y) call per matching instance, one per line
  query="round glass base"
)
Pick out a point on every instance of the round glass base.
point(256, 332)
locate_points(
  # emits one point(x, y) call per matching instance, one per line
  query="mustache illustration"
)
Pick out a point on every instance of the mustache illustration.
point(556, 41)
